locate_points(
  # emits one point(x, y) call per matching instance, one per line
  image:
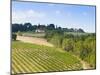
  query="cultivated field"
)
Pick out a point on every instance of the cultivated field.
point(31, 58)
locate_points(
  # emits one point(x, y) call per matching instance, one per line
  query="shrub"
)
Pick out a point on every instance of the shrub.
point(56, 40)
point(14, 36)
point(68, 44)
point(78, 47)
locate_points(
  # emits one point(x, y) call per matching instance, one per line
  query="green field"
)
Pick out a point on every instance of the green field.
point(31, 58)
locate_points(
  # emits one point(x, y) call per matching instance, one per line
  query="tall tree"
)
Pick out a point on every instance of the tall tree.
point(51, 26)
point(27, 26)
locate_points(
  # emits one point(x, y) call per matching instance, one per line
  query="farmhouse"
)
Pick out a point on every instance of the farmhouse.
point(39, 30)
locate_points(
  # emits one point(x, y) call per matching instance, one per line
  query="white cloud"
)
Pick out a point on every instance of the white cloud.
point(34, 14)
point(29, 15)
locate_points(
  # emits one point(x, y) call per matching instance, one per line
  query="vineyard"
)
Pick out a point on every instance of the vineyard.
point(31, 58)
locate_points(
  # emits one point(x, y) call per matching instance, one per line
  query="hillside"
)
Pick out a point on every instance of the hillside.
point(34, 40)
point(31, 58)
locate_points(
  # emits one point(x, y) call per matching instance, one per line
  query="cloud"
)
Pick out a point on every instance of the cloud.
point(29, 15)
point(34, 14)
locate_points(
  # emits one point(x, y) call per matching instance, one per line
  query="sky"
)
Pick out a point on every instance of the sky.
point(63, 15)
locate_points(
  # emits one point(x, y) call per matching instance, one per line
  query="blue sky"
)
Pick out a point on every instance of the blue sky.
point(64, 15)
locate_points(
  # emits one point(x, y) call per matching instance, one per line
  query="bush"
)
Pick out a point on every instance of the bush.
point(90, 44)
point(83, 46)
point(68, 44)
point(14, 36)
point(56, 40)
point(78, 46)
point(84, 53)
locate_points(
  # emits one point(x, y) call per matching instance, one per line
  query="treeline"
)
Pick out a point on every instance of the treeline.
point(70, 40)
point(29, 27)
point(81, 45)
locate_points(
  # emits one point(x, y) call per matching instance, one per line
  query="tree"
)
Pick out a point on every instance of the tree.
point(68, 44)
point(71, 30)
point(27, 26)
point(15, 27)
point(51, 27)
point(42, 27)
point(65, 29)
point(80, 30)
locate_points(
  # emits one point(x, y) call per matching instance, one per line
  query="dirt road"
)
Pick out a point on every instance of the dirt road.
point(34, 40)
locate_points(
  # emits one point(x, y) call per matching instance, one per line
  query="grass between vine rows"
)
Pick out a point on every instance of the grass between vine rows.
point(31, 58)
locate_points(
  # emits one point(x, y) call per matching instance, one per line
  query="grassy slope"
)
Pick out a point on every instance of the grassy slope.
point(28, 58)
